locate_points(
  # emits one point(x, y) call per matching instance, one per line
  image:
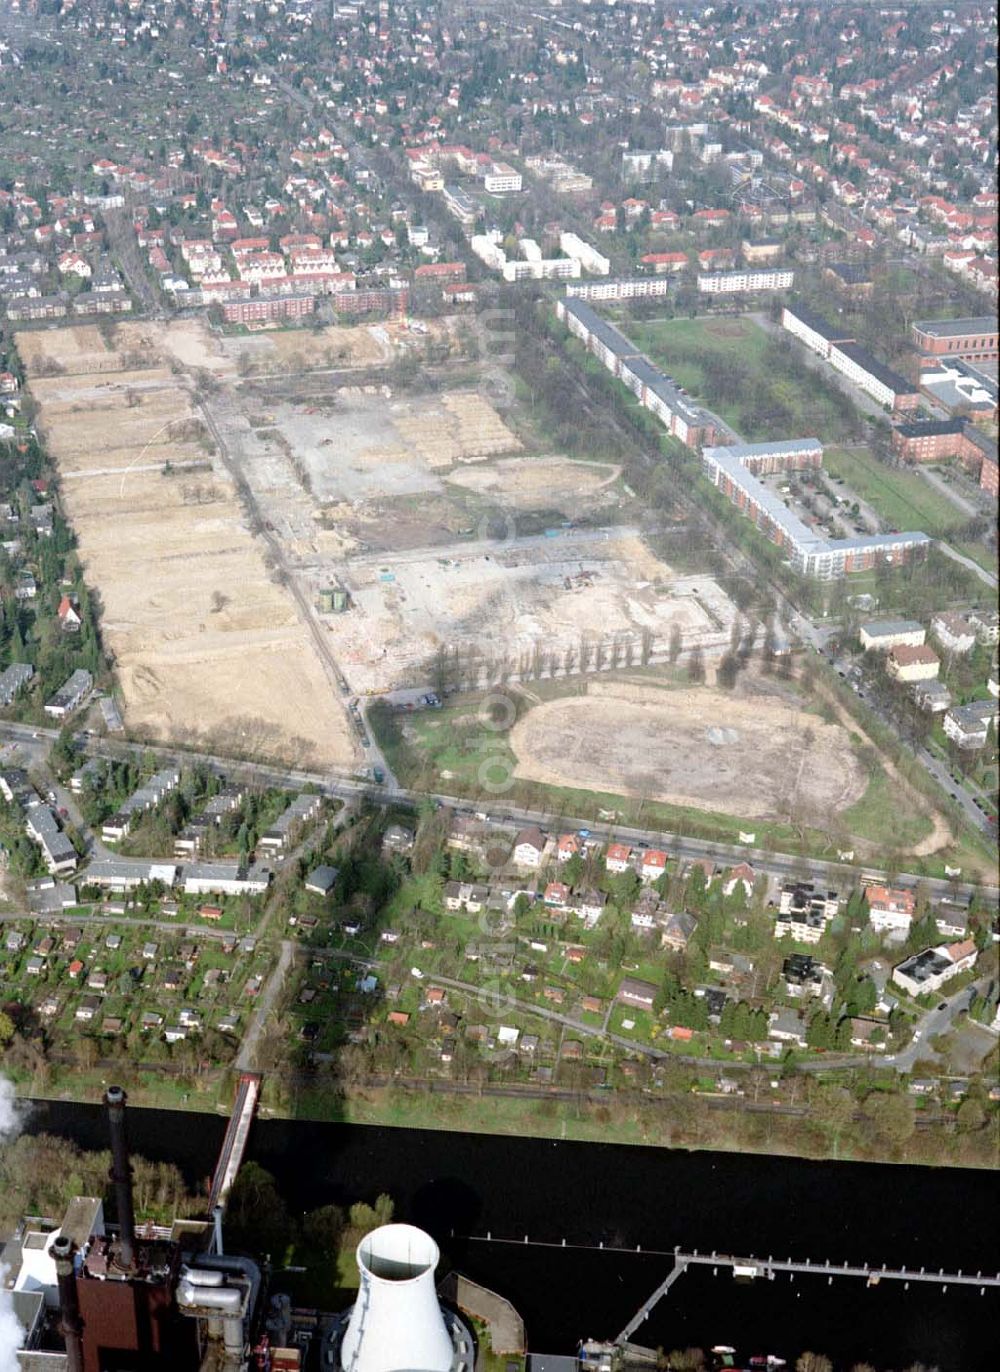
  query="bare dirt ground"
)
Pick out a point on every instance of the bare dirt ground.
point(207, 647)
point(548, 482)
point(505, 598)
point(741, 754)
point(297, 350)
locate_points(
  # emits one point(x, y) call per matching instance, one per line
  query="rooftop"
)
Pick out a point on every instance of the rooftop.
point(957, 328)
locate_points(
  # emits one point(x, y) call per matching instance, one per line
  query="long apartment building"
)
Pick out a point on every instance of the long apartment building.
point(620, 288)
point(736, 471)
point(655, 391)
point(745, 281)
point(836, 346)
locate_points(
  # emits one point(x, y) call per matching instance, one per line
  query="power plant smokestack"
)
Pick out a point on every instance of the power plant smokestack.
point(121, 1176)
point(69, 1306)
point(396, 1322)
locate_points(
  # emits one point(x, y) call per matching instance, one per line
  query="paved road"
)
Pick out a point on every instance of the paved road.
point(863, 401)
point(947, 489)
point(936, 1021)
point(117, 921)
point(981, 572)
point(346, 788)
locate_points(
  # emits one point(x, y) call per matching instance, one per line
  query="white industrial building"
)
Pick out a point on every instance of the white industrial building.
point(892, 633)
point(925, 973)
point(501, 179)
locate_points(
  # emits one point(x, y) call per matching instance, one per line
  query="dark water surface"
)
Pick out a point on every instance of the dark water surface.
point(458, 1185)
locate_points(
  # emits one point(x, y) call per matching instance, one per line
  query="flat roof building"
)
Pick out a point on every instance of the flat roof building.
point(974, 338)
point(734, 469)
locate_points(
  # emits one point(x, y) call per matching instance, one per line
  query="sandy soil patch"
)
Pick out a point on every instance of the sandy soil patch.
point(756, 756)
point(207, 647)
point(538, 483)
point(579, 594)
point(298, 350)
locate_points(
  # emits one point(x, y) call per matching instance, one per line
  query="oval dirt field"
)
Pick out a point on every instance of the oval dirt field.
point(753, 756)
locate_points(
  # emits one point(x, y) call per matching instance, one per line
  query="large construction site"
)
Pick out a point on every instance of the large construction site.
point(266, 542)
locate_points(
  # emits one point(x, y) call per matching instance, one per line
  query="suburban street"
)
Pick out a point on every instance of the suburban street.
point(781, 865)
point(934, 1022)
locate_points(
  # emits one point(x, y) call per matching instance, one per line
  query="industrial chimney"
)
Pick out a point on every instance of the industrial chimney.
point(121, 1176)
point(69, 1306)
point(396, 1324)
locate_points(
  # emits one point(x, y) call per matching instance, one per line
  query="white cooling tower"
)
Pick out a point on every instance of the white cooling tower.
point(396, 1323)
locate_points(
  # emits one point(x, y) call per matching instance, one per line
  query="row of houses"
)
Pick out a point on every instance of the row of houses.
point(654, 390)
point(144, 798)
point(71, 694)
point(193, 878)
point(13, 680)
point(303, 809)
point(41, 823)
point(736, 470)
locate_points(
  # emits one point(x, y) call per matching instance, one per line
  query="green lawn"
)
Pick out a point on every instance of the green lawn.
point(879, 816)
point(742, 372)
point(904, 499)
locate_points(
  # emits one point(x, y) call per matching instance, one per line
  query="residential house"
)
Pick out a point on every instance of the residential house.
point(567, 846)
point(868, 1034)
point(557, 895)
point(590, 906)
point(953, 632)
point(932, 696)
point(787, 1026)
point(619, 857)
point(654, 864)
point(926, 972)
point(529, 846)
point(890, 910)
point(803, 975)
point(969, 725)
point(905, 663)
point(743, 875)
point(321, 880)
point(634, 992)
point(677, 930)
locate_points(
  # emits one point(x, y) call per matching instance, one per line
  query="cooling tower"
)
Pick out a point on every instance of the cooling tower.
point(396, 1324)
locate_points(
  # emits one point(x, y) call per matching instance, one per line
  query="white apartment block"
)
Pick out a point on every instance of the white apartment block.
point(589, 258)
point(501, 179)
point(745, 282)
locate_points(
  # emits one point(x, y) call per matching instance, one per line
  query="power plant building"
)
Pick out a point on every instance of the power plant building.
point(94, 1298)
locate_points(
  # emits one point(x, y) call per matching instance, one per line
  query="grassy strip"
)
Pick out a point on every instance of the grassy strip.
point(904, 499)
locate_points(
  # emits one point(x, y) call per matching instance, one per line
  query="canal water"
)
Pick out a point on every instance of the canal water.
point(465, 1186)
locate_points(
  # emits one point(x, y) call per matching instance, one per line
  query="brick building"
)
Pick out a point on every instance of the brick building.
point(975, 339)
